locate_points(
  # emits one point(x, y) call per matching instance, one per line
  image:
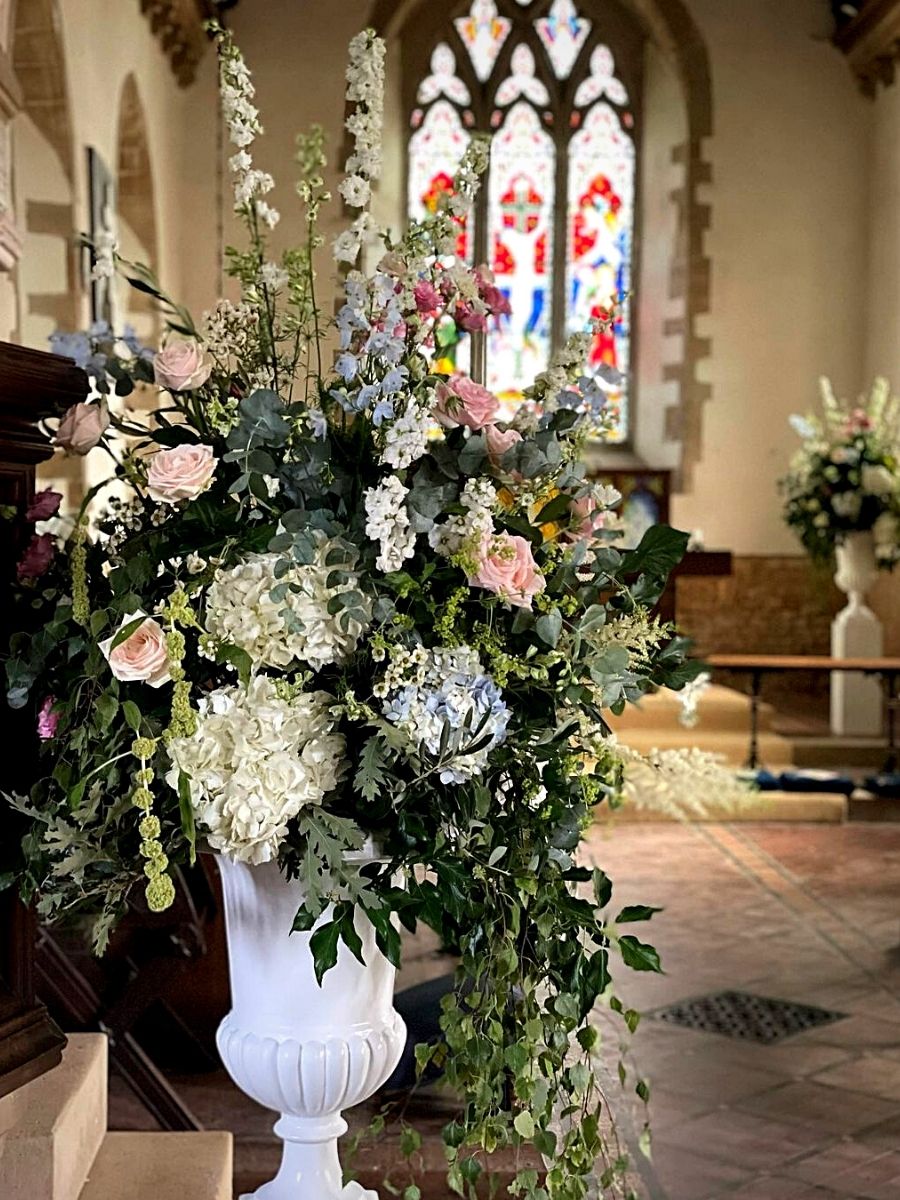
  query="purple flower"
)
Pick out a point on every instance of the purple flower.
point(43, 505)
point(47, 720)
point(37, 558)
point(383, 411)
point(346, 366)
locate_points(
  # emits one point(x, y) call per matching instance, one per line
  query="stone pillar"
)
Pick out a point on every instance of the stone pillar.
point(857, 703)
point(10, 235)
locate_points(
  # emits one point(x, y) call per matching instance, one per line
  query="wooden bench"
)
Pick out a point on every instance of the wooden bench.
point(758, 665)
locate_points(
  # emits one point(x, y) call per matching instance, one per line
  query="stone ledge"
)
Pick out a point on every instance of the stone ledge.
point(52, 1128)
point(162, 1166)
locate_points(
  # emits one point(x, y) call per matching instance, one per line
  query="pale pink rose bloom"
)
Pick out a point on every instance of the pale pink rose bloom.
point(181, 473)
point(462, 401)
point(181, 367)
point(47, 720)
point(142, 657)
point(392, 263)
point(499, 441)
point(508, 568)
point(426, 296)
point(82, 427)
point(587, 520)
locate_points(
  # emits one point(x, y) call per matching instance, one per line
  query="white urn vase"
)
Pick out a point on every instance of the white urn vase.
point(305, 1051)
point(856, 699)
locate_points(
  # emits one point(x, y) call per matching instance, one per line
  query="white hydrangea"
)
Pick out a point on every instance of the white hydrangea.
point(387, 522)
point(256, 759)
point(406, 439)
point(470, 529)
point(240, 612)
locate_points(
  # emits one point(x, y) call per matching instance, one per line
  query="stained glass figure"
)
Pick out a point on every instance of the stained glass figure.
point(520, 212)
point(600, 237)
point(562, 32)
point(522, 80)
point(483, 33)
point(443, 80)
point(602, 80)
point(435, 150)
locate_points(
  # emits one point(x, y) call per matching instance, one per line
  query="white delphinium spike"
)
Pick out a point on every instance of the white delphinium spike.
point(365, 91)
point(685, 783)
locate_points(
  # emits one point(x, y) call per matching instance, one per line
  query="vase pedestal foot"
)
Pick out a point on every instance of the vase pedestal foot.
point(856, 700)
point(310, 1168)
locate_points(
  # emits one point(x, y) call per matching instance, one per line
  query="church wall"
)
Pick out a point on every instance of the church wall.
point(787, 243)
point(102, 43)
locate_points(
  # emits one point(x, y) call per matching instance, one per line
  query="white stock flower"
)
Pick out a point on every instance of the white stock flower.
point(468, 531)
point(387, 522)
point(406, 439)
point(240, 612)
point(356, 190)
point(256, 759)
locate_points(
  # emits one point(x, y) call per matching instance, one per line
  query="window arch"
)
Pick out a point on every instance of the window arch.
point(558, 83)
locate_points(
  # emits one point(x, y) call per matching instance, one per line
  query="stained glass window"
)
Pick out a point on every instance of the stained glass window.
point(521, 196)
point(600, 233)
point(483, 33)
point(563, 32)
point(556, 84)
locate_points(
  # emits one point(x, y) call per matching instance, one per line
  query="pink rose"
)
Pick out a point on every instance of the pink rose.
point(43, 505)
point(427, 297)
point(142, 656)
point(587, 519)
point(47, 720)
point(494, 299)
point(499, 441)
point(508, 568)
point(462, 401)
point(181, 473)
point(82, 427)
point(37, 558)
point(392, 263)
point(181, 367)
point(468, 319)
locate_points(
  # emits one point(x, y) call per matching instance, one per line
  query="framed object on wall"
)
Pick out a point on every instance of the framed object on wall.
point(102, 189)
point(646, 494)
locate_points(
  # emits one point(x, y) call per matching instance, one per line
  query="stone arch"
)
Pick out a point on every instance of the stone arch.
point(44, 174)
point(47, 277)
point(675, 36)
point(136, 202)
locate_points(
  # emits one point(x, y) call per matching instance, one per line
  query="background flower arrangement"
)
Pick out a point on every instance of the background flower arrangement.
point(845, 478)
point(329, 605)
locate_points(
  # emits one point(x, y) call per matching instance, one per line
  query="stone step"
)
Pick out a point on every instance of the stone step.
point(719, 709)
point(161, 1166)
point(819, 807)
point(52, 1128)
point(773, 752)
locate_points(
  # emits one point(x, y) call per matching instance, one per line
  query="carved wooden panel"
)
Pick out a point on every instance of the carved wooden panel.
point(32, 385)
point(871, 41)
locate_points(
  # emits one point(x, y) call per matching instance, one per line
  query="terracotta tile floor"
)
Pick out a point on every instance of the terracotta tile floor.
point(809, 913)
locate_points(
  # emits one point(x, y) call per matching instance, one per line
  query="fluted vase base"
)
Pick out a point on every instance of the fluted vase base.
point(304, 1051)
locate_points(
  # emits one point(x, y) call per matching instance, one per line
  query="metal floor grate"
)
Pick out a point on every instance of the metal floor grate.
point(751, 1018)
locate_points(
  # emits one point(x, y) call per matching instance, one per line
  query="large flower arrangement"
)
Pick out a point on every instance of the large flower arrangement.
point(328, 605)
point(845, 478)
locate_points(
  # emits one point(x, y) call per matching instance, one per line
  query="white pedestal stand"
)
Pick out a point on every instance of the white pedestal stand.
point(303, 1050)
point(857, 704)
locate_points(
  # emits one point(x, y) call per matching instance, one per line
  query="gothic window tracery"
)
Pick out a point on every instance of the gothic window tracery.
point(558, 85)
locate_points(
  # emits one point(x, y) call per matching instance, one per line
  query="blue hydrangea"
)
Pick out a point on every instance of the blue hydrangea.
point(452, 693)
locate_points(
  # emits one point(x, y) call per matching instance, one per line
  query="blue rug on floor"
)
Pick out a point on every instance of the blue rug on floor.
point(886, 784)
point(805, 781)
